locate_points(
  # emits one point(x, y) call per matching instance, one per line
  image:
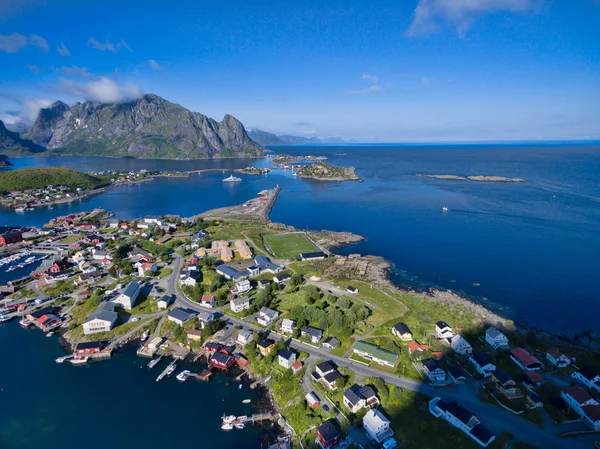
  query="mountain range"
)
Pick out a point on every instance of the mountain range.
point(265, 138)
point(149, 127)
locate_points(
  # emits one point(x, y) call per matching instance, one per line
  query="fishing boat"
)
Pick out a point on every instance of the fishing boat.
point(171, 369)
point(227, 426)
point(232, 178)
point(145, 335)
point(228, 419)
point(246, 401)
point(5, 318)
point(182, 376)
point(240, 425)
point(24, 323)
point(445, 209)
point(79, 359)
point(50, 334)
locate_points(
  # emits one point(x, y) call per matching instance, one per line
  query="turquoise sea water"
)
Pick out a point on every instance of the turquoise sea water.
point(533, 247)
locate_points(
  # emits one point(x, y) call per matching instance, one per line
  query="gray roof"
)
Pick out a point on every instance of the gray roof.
point(431, 365)
point(231, 272)
point(331, 341)
point(352, 397)
point(286, 354)
point(166, 298)
point(105, 312)
point(312, 331)
point(265, 264)
point(182, 314)
point(203, 315)
point(131, 289)
point(493, 332)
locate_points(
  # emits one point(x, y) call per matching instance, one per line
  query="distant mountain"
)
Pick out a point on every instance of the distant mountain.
point(149, 127)
point(12, 143)
point(264, 138)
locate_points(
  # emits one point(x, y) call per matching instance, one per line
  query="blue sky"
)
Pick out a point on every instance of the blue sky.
point(400, 71)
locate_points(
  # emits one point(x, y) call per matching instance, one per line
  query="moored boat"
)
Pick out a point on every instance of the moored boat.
point(232, 178)
point(240, 426)
point(171, 369)
point(79, 359)
point(227, 426)
point(24, 323)
point(246, 401)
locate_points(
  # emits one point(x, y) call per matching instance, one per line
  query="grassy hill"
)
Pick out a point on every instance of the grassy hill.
point(327, 172)
point(39, 178)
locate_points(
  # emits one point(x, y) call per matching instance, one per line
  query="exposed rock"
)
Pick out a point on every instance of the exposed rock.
point(149, 127)
point(12, 143)
point(327, 172)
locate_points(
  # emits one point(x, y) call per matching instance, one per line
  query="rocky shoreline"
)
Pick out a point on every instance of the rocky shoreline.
point(322, 171)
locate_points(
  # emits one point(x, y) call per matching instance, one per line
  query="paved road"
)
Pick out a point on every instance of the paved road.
point(491, 416)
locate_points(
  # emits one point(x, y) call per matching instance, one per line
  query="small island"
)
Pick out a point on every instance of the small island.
point(254, 171)
point(327, 172)
point(477, 178)
point(287, 160)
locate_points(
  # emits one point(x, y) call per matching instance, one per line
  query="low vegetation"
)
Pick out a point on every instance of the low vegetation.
point(40, 178)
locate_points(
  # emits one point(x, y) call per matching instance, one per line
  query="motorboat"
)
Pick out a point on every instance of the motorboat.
point(145, 335)
point(227, 426)
point(240, 386)
point(240, 425)
point(79, 359)
point(182, 376)
point(24, 323)
point(445, 209)
point(232, 178)
point(246, 401)
point(171, 369)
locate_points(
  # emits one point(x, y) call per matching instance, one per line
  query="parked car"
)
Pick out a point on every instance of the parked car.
point(325, 407)
point(136, 319)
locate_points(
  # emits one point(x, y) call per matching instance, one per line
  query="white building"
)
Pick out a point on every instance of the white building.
point(377, 426)
point(433, 371)
point(460, 345)
point(557, 358)
point(287, 326)
point(243, 286)
point(286, 358)
point(482, 364)
point(164, 302)
point(584, 405)
point(443, 330)
point(103, 320)
point(495, 338)
point(588, 377)
point(129, 295)
point(244, 337)
point(207, 301)
point(239, 304)
point(266, 316)
point(462, 419)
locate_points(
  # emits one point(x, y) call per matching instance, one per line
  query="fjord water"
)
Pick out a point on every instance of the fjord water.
point(533, 247)
point(116, 403)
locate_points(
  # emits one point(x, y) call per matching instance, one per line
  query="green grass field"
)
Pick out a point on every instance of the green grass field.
point(289, 246)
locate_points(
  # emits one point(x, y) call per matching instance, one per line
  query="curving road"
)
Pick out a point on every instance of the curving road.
point(491, 416)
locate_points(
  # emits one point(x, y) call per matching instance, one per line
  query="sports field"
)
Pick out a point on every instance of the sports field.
point(288, 246)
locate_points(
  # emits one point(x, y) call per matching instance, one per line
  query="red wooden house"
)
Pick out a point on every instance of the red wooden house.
point(222, 361)
point(89, 347)
point(328, 435)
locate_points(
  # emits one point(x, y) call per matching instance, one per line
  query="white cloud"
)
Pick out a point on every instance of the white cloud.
point(34, 69)
point(39, 41)
point(102, 89)
point(155, 65)
point(11, 120)
point(366, 91)
point(108, 46)
point(370, 78)
point(431, 15)
point(13, 43)
point(77, 71)
point(31, 107)
point(63, 50)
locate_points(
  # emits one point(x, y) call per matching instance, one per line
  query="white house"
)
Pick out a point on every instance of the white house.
point(286, 358)
point(312, 333)
point(287, 326)
point(207, 301)
point(188, 277)
point(324, 368)
point(460, 345)
point(495, 338)
point(239, 304)
point(462, 419)
point(557, 358)
point(482, 364)
point(433, 370)
point(583, 404)
point(103, 320)
point(588, 377)
point(377, 426)
point(101, 255)
point(244, 337)
point(243, 286)
point(129, 295)
point(266, 316)
point(164, 302)
point(356, 398)
point(443, 330)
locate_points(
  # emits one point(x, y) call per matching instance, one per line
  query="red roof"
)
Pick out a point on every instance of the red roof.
point(147, 266)
point(297, 365)
point(523, 356)
point(578, 394)
point(593, 411)
point(415, 346)
point(437, 354)
point(208, 298)
point(554, 352)
point(534, 377)
point(43, 319)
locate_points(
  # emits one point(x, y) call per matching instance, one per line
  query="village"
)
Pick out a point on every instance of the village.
point(26, 199)
point(348, 359)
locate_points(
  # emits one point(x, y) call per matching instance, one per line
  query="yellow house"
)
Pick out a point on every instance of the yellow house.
point(243, 250)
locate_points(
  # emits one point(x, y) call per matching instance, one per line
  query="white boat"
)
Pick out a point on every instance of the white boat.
point(145, 335)
point(445, 209)
point(240, 387)
point(227, 426)
point(228, 419)
point(232, 179)
point(19, 209)
point(5, 318)
point(246, 401)
point(62, 359)
point(240, 426)
point(24, 323)
point(182, 376)
point(79, 359)
point(171, 369)
point(50, 334)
